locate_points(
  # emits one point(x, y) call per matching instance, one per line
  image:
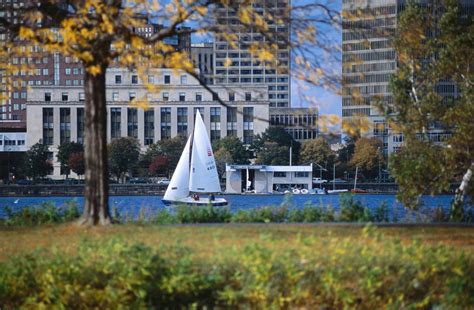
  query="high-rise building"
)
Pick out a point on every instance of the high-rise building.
point(368, 61)
point(235, 65)
point(202, 55)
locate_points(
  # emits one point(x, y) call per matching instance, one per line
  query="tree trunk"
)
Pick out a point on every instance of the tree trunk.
point(96, 193)
point(457, 207)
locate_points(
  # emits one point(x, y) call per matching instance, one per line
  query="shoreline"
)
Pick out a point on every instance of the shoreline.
point(62, 190)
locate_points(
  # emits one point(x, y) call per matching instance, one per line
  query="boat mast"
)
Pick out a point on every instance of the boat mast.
point(355, 179)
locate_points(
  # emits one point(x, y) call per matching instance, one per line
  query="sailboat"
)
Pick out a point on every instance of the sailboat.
point(197, 174)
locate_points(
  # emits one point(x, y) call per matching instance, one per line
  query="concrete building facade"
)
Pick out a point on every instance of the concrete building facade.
point(300, 123)
point(56, 114)
point(262, 179)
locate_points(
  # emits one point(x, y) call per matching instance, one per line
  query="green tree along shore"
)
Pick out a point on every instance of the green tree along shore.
point(434, 48)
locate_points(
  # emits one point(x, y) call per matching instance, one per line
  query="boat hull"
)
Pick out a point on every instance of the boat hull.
point(188, 201)
point(337, 191)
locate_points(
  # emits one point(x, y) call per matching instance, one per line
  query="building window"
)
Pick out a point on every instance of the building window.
point(198, 96)
point(301, 174)
point(248, 125)
point(45, 71)
point(167, 79)
point(67, 71)
point(82, 97)
point(48, 126)
point(279, 174)
point(248, 96)
point(232, 122)
point(115, 96)
point(132, 95)
point(184, 79)
point(182, 96)
point(132, 122)
point(64, 96)
point(115, 118)
point(118, 79)
point(149, 127)
point(151, 79)
point(64, 125)
point(165, 123)
point(215, 124)
point(231, 96)
point(75, 70)
point(166, 96)
point(183, 122)
point(134, 79)
point(80, 125)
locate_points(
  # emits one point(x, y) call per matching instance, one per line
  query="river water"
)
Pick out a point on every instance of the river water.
point(131, 205)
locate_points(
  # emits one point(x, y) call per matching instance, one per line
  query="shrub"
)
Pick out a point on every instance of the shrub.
point(344, 272)
point(352, 210)
point(45, 213)
point(381, 213)
point(267, 214)
point(199, 214)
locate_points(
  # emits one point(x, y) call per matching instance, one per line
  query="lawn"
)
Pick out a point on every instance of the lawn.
point(205, 239)
point(246, 265)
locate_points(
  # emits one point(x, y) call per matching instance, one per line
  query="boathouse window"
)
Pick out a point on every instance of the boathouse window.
point(279, 174)
point(301, 174)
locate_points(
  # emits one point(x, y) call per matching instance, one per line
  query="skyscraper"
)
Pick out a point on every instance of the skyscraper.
point(236, 65)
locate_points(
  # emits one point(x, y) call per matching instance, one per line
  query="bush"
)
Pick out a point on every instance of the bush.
point(381, 213)
point(344, 272)
point(352, 210)
point(45, 213)
point(199, 214)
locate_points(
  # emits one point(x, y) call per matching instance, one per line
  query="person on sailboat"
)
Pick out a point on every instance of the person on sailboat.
point(211, 197)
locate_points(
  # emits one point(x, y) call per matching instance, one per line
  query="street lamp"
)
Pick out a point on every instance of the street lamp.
point(380, 171)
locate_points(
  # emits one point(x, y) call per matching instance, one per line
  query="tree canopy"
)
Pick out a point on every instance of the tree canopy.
point(238, 153)
point(437, 127)
point(37, 163)
point(275, 136)
point(368, 157)
point(318, 152)
point(65, 150)
point(123, 156)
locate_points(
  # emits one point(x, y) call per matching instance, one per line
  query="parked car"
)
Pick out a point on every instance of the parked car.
point(164, 181)
point(319, 181)
point(137, 181)
point(24, 182)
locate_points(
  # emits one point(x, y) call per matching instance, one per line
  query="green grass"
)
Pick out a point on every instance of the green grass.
point(250, 265)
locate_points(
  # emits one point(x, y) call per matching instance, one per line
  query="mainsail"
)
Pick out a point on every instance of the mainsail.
point(179, 184)
point(203, 178)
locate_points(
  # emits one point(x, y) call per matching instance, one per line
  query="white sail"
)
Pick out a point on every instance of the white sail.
point(204, 178)
point(179, 184)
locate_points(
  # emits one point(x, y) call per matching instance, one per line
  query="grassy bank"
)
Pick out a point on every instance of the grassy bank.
point(257, 265)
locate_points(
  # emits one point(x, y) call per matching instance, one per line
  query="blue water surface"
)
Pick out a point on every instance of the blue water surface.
point(131, 206)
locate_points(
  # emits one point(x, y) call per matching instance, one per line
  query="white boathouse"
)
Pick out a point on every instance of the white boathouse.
point(263, 179)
